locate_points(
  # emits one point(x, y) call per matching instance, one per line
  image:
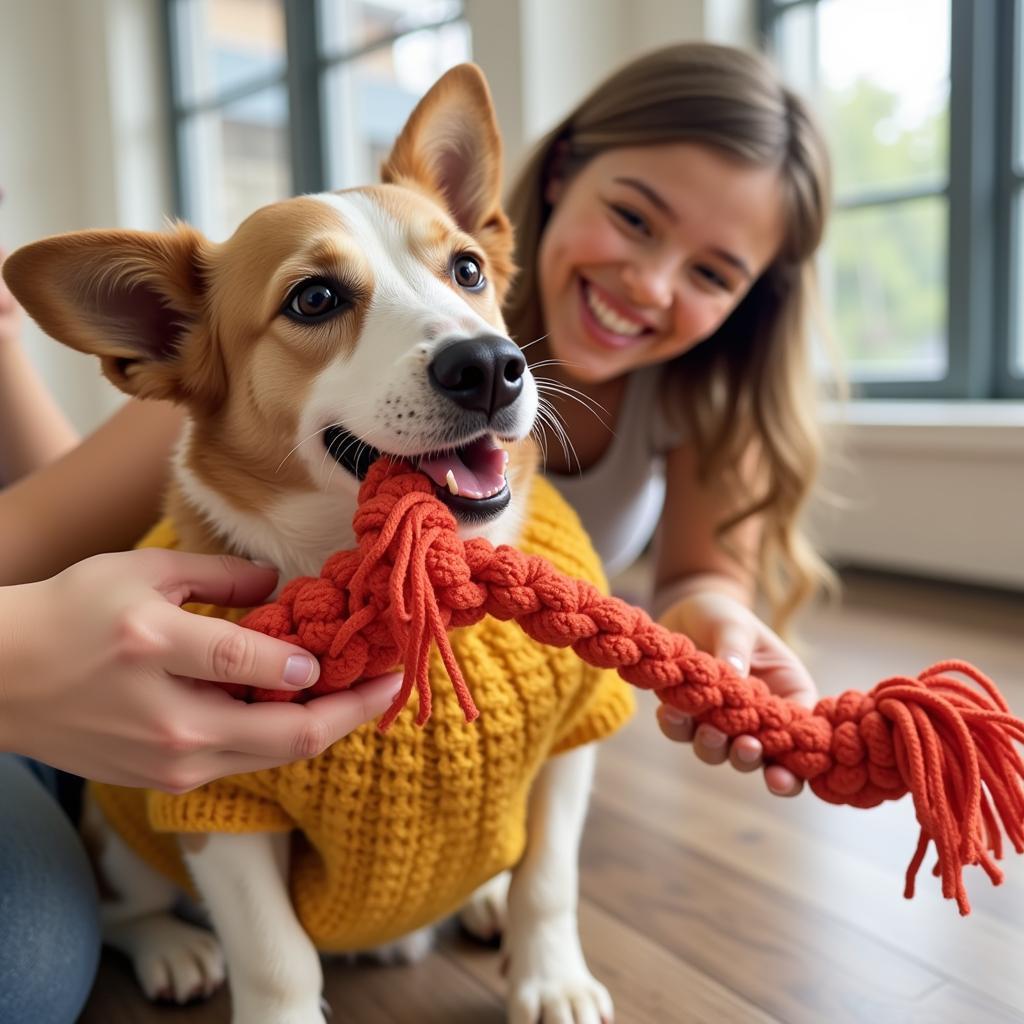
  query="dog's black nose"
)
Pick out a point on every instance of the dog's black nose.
point(484, 374)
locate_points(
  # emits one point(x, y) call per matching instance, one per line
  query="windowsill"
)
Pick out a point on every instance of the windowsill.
point(932, 488)
point(994, 427)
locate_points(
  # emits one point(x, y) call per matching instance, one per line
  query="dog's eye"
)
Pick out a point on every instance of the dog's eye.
point(467, 273)
point(313, 300)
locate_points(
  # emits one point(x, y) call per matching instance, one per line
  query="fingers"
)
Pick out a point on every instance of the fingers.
point(285, 732)
point(781, 781)
point(201, 647)
point(734, 643)
point(215, 579)
point(674, 724)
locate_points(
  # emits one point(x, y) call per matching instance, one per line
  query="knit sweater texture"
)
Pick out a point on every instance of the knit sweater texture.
point(393, 831)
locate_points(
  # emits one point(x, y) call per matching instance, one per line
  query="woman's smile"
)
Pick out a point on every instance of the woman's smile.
point(608, 321)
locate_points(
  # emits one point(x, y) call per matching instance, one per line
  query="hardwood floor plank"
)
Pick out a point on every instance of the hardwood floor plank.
point(767, 842)
point(779, 953)
point(650, 985)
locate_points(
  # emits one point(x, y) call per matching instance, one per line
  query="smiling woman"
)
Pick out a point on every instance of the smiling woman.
point(666, 230)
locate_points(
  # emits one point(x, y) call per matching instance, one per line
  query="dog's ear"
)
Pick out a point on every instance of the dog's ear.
point(132, 298)
point(451, 148)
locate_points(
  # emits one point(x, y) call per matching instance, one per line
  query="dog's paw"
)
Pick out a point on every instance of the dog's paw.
point(486, 913)
point(409, 949)
point(173, 961)
point(548, 979)
point(575, 999)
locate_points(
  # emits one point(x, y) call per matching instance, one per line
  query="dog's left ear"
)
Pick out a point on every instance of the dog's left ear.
point(451, 148)
point(132, 298)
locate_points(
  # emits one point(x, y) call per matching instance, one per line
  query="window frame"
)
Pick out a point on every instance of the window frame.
point(983, 239)
point(304, 78)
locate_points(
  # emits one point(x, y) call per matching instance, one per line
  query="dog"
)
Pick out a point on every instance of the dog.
point(330, 330)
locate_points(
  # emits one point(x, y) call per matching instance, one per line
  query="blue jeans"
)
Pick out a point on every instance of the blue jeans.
point(49, 912)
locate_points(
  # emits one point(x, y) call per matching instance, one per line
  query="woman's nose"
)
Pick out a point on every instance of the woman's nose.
point(651, 283)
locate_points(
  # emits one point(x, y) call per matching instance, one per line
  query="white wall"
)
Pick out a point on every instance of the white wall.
point(83, 143)
point(542, 56)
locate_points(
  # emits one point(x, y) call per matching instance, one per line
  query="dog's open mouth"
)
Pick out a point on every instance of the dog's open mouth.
point(469, 479)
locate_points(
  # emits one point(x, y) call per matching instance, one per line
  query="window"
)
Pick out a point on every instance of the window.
point(271, 98)
point(921, 269)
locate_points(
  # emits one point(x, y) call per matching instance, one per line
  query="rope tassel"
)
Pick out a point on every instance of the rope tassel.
point(949, 741)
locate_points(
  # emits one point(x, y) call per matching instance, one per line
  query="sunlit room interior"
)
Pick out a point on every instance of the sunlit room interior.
point(702, 896)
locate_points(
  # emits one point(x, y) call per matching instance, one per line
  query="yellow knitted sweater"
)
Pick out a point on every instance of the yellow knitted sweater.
point(394, 831)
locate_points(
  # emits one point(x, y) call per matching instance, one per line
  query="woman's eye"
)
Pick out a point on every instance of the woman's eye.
point(630, 218)
point(313, 300)
point(713, 278)
point(467, 273)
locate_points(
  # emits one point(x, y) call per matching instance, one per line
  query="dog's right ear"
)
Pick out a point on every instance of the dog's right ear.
point(451, 148)
point(133, 298)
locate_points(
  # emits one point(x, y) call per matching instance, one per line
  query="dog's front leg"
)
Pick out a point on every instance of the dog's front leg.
point(273, 968)
point(548, 976)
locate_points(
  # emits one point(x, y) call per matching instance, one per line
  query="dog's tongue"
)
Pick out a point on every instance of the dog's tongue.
point(478, 469)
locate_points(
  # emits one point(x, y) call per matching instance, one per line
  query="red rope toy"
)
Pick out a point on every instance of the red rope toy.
point(412, 578)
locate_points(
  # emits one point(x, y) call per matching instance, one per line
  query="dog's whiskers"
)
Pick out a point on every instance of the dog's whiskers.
point(548, 416)
point(529, 344)
point(591, 405)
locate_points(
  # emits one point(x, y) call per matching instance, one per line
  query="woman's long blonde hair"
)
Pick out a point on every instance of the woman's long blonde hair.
point(751, 382)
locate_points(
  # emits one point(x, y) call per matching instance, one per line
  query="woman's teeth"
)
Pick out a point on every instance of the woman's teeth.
point(607, 317)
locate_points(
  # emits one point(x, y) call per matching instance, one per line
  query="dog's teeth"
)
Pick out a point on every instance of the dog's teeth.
point(452, 485)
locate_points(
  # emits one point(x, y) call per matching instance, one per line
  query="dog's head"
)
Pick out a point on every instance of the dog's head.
point(327, 332)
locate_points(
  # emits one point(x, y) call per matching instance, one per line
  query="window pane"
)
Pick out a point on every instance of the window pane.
point(225, 43)
point(878, 72)
point(884, 273)
point(352, 24)
point(237, 159)
point(368, 99)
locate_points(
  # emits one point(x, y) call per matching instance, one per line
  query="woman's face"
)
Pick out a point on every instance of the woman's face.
point(647, 250)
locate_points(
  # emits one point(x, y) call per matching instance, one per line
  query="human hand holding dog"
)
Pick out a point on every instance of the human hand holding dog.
point(723, 626)
point(102, 674)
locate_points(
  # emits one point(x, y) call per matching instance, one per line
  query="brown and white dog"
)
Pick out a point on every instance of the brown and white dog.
point(327, 330)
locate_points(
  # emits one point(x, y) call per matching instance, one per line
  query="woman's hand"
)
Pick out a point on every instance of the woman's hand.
point(726, 628)
point(102, 674)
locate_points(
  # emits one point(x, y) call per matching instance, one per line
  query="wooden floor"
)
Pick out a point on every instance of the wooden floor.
point(705, 899)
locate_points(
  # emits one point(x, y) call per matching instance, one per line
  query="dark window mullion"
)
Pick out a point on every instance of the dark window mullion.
point(972, 144)
point(219, 100)
point(305, 96)
point(1009, 195)
point(889, 197)
point(180, 184)
point(772, 8)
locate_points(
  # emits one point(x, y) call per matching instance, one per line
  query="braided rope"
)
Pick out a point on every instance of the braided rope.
point(950, 743)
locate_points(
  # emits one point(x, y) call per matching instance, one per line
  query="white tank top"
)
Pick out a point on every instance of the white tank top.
point(620, 498)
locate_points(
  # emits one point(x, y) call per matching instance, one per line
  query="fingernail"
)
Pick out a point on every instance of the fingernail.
point(747, 755)
point(298, 671)
point(262, 564)
point(713, 738)
point(737, 663)
point(674, 715)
